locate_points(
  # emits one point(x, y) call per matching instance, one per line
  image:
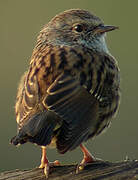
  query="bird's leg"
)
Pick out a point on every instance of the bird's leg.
point(45, 163)
point(87, 158)
point(44, 159)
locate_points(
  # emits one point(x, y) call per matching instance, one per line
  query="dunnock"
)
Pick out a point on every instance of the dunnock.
point(72, 87)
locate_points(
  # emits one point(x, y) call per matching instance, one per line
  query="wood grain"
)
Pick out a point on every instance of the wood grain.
point(99, 170)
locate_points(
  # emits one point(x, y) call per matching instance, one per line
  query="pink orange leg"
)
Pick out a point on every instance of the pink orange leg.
point(87, 158)
point(45, 163)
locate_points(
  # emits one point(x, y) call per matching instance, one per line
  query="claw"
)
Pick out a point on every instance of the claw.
point(46, 164)
point(79, 168)
point(46, 170)
point(88, 158)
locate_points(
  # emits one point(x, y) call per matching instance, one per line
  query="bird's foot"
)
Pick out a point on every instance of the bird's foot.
point(52, 164)
point(84, 162)
point(46, 165)
point(88, 158)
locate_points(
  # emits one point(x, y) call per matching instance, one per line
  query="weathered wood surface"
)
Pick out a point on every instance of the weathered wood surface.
point(100, 170)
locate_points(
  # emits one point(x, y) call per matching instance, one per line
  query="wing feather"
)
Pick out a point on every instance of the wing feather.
point(78, 109)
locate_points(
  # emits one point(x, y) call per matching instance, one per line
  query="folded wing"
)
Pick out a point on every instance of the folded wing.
point(78, 109)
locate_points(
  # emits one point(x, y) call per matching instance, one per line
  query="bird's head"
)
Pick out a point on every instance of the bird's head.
point(76, 27)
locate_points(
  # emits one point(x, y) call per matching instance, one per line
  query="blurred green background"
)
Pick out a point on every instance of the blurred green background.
point(20, 22)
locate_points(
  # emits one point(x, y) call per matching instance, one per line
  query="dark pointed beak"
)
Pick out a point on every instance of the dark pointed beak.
point(104, 28)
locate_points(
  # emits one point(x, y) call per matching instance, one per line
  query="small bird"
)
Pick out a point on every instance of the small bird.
point(72, 87)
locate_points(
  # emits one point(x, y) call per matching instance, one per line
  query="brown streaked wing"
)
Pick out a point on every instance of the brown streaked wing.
point(76, 106)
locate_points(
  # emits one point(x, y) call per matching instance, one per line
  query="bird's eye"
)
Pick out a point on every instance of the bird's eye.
point(78, 28)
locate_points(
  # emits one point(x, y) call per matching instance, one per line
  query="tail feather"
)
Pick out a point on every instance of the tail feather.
point(38, 129)
point(20, 138)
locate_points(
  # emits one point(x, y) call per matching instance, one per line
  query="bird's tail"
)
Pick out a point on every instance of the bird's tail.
point(20, 138)
point(38, 129)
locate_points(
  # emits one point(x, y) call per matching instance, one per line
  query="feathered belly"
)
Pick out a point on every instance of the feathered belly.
point(107, 110)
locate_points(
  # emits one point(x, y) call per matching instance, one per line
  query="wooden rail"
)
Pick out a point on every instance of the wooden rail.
point(99, 170)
